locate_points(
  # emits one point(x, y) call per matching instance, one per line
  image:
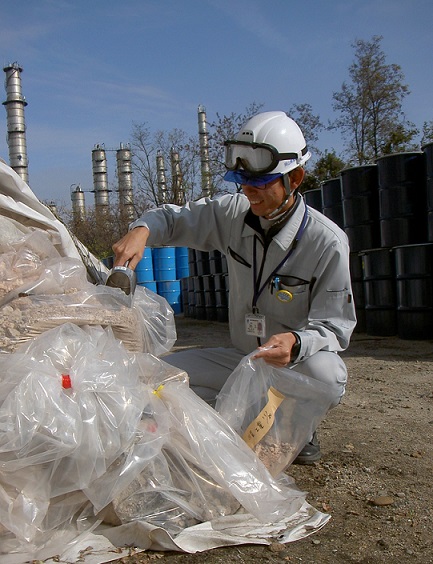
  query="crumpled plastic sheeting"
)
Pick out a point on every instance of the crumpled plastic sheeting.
point(148, 326)
point(73, 438)
point(40, 289)
point(101, 545)
point(70, 406)
point(32, 265)
point(205, 439)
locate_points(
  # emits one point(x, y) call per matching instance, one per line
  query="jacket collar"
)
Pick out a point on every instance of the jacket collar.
point(286, 234)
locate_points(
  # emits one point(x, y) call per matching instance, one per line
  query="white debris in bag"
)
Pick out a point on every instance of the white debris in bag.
point(148, 326)
point(30, 316)
point(275, 410)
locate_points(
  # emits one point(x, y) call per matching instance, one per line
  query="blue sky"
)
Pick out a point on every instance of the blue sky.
point(91, 69)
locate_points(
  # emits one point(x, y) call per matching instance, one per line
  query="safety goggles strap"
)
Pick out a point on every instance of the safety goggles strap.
point(290, 156)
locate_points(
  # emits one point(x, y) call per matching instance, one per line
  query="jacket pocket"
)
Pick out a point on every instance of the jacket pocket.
point(238, 258)
point(292, 309)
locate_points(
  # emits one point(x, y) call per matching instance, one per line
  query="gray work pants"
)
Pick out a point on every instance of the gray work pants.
point(208, 370)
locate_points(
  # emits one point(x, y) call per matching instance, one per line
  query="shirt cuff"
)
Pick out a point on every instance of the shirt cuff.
point(296, 349)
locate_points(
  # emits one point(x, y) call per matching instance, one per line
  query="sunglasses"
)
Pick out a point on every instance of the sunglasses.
point(242, 177)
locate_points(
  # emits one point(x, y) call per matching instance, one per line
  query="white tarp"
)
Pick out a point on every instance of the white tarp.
point(100, 546)
point(18, 202)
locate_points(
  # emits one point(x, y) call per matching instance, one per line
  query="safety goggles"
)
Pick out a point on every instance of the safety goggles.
point(242, 177)
point(255, 158)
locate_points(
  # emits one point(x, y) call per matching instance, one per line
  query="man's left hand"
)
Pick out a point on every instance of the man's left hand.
point(277, 350)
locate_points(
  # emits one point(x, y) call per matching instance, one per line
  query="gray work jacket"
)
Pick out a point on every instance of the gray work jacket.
point(316, 273)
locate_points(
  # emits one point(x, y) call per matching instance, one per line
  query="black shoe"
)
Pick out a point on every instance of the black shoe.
point(310, 453)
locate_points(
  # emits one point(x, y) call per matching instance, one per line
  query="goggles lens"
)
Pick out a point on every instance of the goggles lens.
point(242, 177)
point(252, 157)
point(257, 159)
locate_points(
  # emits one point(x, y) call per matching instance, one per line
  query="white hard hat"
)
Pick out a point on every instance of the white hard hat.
point(268, 143)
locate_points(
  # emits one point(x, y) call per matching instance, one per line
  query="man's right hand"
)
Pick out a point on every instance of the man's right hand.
point(130, 248)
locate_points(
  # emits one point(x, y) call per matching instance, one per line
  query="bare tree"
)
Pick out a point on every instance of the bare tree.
point(370, 105)
point(96, 231)
point(146, 146)
point(427, 132)
point(309, 123)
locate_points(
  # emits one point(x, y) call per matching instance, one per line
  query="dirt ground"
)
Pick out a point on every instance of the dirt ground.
point(375, 476)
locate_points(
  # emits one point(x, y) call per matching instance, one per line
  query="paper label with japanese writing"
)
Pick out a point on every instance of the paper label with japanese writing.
point(258, 428)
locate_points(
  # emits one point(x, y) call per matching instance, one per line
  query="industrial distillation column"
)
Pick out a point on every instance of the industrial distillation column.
point(16, 127)
point(204, 153)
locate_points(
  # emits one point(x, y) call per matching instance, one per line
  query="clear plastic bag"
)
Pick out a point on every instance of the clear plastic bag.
point(11, 231)
point(83, 421)
point(151, 434)
point(173, 494)
point(204, 470)
point(274, 410)
point(167, 491)
point(147, 326)
point(69, 407)
point(156, 319)
point(33, 265)
point(40, 290)
point(206, 441)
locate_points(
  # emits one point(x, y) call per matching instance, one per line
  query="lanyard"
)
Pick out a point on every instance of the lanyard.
point(259, 289)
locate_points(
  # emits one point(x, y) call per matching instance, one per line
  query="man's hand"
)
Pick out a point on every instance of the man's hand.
point(131, 247)
point(277, 350)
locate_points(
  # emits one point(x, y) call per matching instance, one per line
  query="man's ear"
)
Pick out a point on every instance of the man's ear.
point(296, 177)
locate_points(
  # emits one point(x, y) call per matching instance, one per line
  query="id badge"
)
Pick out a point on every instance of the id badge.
point(255, 325)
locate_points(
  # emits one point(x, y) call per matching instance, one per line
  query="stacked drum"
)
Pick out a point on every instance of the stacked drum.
point(161, 269)
point(402, 199)
point(428, 151)
point(206, 289)
point(387, 215)
point(386, 211)
point(360, 199)
point(331, 199)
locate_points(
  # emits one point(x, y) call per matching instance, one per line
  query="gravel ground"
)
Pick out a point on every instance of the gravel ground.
point(375, 475)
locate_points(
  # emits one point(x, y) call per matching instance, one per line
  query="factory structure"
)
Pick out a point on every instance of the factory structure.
point(16, 139)
point(16, 127)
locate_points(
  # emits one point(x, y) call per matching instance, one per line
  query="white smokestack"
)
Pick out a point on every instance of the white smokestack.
point(16, 136)
point(124, 177)
point(177, 180)
point(162, 182)
point(204, 153)
point(78, 203)
point(100, 179)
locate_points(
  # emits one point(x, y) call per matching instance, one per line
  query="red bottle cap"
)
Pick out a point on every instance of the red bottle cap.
point(66, 381)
